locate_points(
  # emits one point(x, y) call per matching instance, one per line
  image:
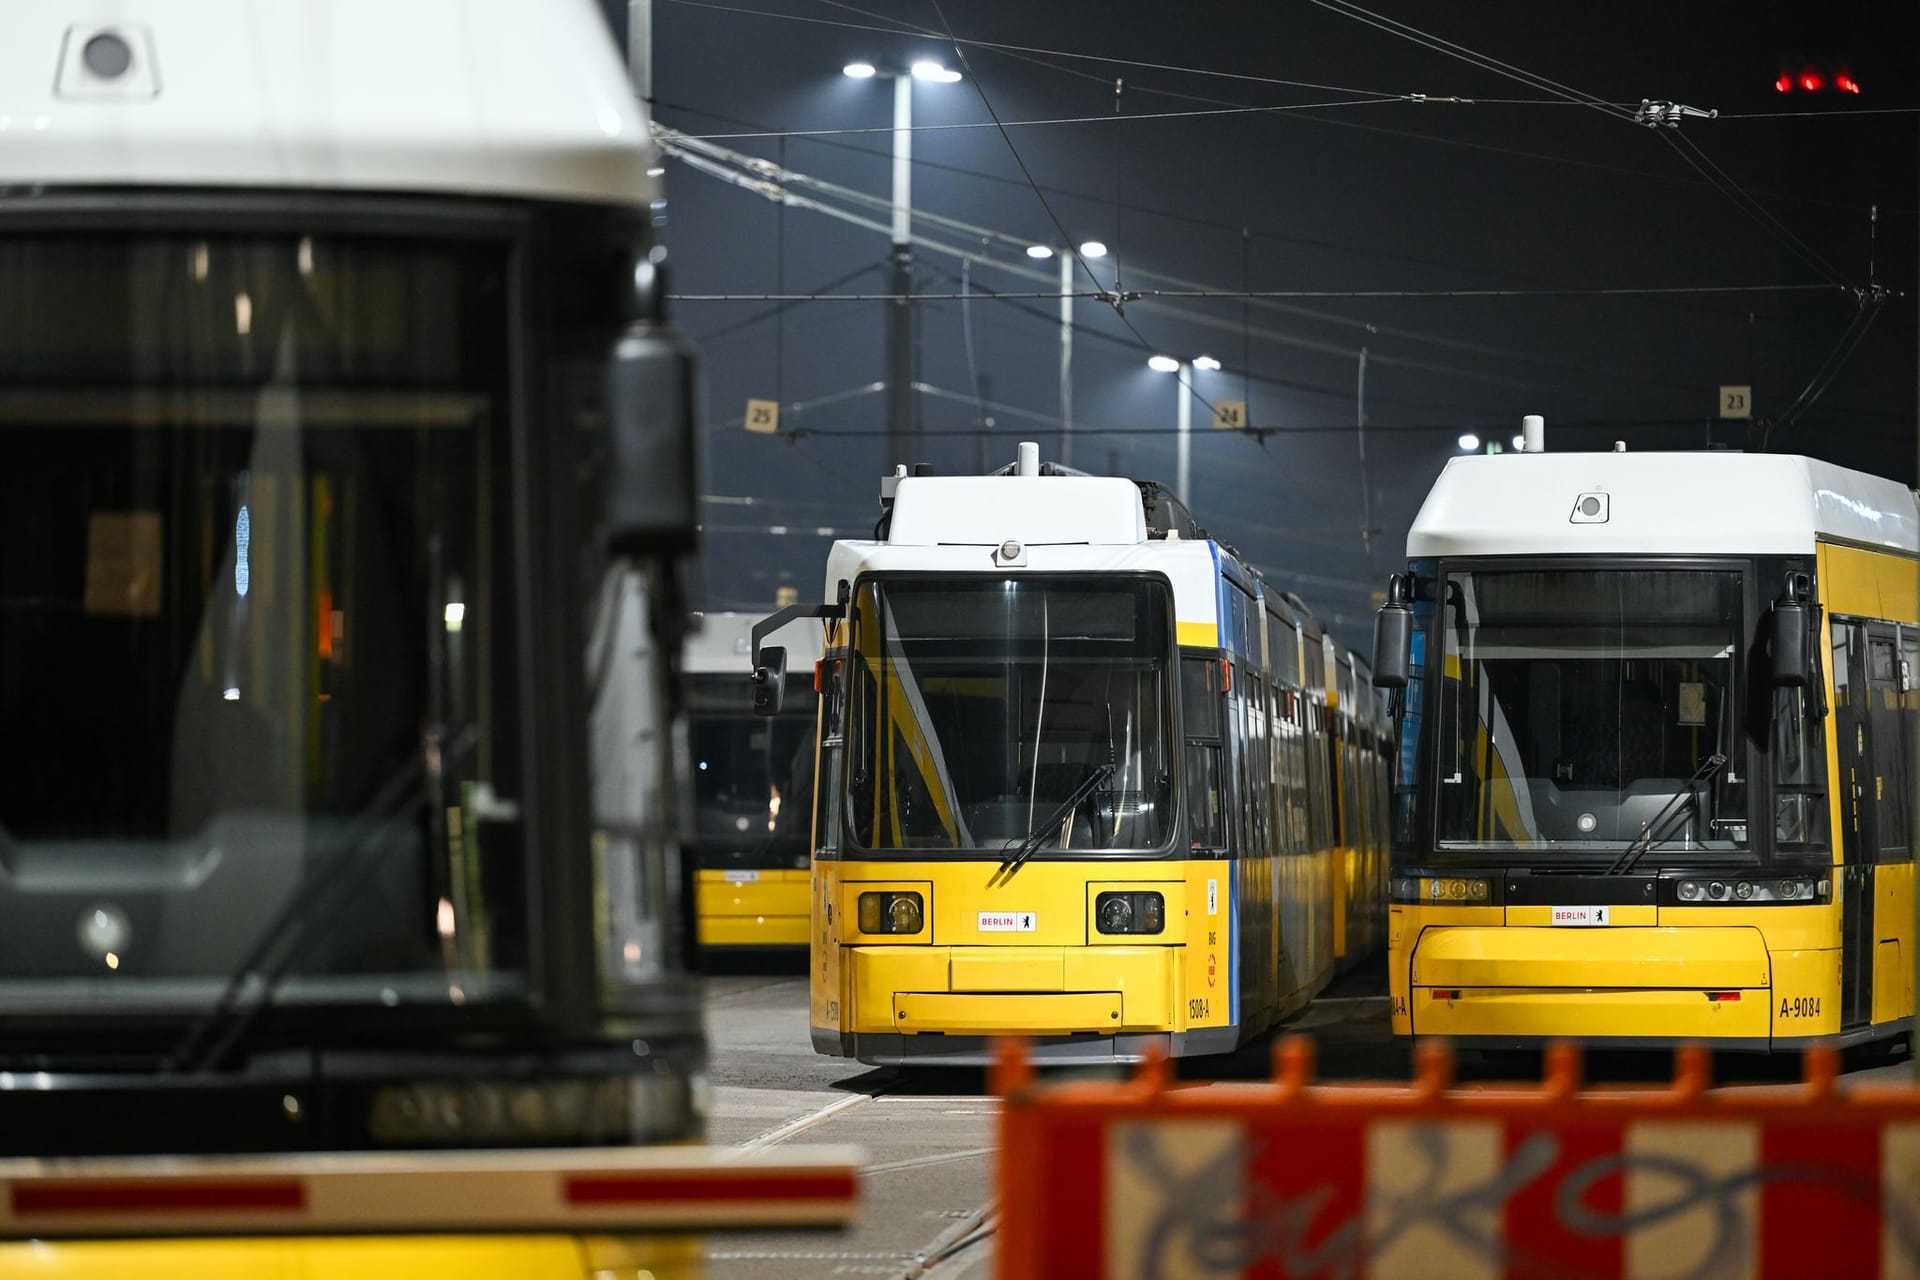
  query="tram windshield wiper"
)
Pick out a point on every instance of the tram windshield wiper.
point(320, 894)
point(1017, 855)
point(1689, 797)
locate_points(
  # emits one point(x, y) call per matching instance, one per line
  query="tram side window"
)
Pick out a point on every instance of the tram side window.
point(1200, 698)
point(1887, 687)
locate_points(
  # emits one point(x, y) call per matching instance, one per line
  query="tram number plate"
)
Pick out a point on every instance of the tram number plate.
point(1006, 922)
point(1580, 916)
point(743, 877)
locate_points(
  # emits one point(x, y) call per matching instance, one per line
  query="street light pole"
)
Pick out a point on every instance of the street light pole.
point(1183, 466)
point(1066, 357)
point(899, 340)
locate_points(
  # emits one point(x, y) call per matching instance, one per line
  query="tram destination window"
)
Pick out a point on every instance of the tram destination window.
point(987, 712)
point(1582, 708)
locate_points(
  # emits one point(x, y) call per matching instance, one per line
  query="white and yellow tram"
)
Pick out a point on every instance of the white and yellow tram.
point(1084, 777)
point(1657, 716)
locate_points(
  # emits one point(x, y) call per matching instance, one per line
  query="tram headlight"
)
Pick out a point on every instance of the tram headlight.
point(1134, 912)
point(892, 912)
point(1464, 891)
point(1468, 889)
point(1750, 892)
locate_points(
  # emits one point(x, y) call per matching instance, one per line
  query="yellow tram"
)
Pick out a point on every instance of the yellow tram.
point(1657, 718)
point(1083, 778)
point(752, 795)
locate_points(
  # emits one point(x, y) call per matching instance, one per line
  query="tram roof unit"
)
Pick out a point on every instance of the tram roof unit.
point(466, 97)
point(1062, 524)
point(720, 643)
point(1658, 503)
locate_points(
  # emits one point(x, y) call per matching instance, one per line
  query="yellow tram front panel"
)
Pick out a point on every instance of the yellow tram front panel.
point(1021, 954)
point(1714, 973)
point(752, 908)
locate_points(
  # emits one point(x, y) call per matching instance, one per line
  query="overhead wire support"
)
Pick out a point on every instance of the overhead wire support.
point(1656, 113)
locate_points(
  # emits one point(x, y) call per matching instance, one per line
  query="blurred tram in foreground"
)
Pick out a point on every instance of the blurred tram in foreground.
point(1083, 778)
point(338, 424)
point(752, 791)
point(1657, 717)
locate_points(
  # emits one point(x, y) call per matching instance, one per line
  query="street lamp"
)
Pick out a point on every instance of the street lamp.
point(900, 317)
point(1040, 253)
point(1183, 422)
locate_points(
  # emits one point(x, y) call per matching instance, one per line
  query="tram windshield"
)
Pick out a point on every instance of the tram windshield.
point(256, 618)
point(752, 776)
point(985, 710)
point(1583, 709)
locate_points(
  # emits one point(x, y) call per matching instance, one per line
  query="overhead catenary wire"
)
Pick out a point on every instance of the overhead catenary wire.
point(1689, 151)
point(1486, 62)
point(958, 42)
point(1003, 125)
point(763, 178)
point(1243, 294)
point(1067, 241)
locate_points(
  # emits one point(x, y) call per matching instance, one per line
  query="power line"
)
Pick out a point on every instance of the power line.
point(1024, 124)
point(1067, 241)
point(931, 34)
point(772, 182)
point(1240, 294)
point(1401, 30)
point(1841, 113)
point(1690, 152)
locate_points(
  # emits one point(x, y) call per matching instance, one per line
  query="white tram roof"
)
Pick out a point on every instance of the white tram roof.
point(1064, 524)
point(1710, 503)
point(480, 97)
point(722, 643)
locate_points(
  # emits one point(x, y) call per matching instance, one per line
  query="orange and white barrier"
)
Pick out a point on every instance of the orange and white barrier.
point(618, 1189)
point(1146, 1181)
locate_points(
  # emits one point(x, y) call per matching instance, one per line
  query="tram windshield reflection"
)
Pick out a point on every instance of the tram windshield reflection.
point(979, 707)
point(1578, 705)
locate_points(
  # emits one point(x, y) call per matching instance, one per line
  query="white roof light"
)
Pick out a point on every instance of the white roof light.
point(1092, 249)
point(926, 69)
point(1519, 444)
point(1469, 441)
point(1039, 251)
point(859, 70)
point(1163, 364)
point(1205, 362)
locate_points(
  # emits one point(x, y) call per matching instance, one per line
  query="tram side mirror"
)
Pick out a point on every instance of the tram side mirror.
point(649, 400)
point(1787, 644)
point(1393, 636)
point(770, 681)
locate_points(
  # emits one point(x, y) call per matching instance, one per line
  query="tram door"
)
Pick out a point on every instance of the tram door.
point(1869, 683)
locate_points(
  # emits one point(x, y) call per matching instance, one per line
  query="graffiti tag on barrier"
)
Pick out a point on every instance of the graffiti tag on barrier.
point(1216, 1216)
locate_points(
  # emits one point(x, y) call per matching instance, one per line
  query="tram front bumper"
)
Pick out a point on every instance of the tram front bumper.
point(1515, 986)
point(936, 992)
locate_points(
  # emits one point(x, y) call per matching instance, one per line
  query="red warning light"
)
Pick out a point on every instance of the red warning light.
point(1846, 83)
point(1810, 81)
point(1784, 84)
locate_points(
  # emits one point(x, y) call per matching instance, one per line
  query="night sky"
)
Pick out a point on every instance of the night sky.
point(1520, 191)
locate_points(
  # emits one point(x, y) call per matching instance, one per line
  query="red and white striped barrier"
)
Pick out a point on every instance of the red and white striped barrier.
point(1142, 1181)
point(619, 1189)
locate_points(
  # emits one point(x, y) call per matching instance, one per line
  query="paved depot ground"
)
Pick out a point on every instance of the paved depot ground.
point(928, 1135)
